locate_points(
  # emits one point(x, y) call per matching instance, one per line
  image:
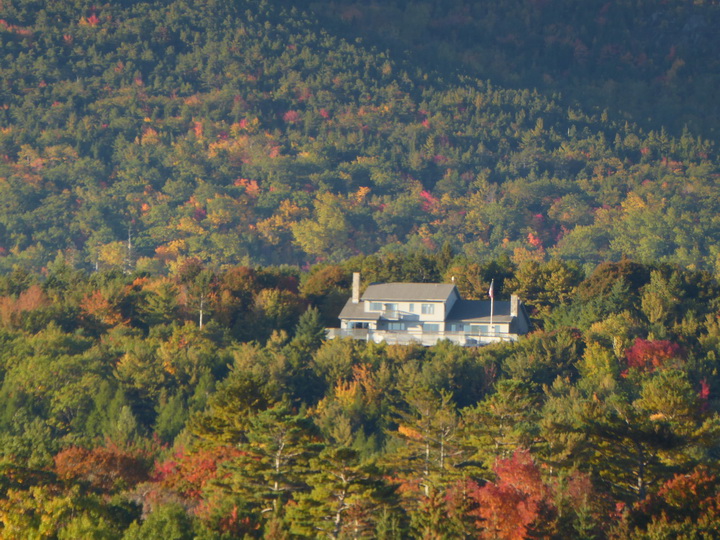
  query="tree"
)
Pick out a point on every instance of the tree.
point(686, 504)
point(309, 332)
point(345, 499)
point(327, 233)
point(189, 473)
point(543, 286)
point(106, 469)
point(503, 423)
point(646, 355)
point(430, 429)
point(229, 410)
point(169, 522)
point(274, 309)
point(632, 432)
point(660, 301)
point(200, 291)
point(518, 503)
point(279, 444)
point(160, 304)
point(48, 511)
point(327, 288)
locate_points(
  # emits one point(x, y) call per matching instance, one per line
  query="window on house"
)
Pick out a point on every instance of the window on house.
point(375, 306)
point(428, 309)
point(431, 328)
point(390, 307)
point(396, 326)
point(411, 309)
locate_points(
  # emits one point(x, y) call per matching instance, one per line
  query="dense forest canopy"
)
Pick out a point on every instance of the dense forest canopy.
point(134, 135)
point(187, 187)
point(122, 416)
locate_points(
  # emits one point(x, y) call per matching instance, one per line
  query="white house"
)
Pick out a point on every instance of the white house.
point(403, 313)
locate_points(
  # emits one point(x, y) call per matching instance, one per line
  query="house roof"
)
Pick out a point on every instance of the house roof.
point(357, 312)
point(429, 292)
point(479, 311)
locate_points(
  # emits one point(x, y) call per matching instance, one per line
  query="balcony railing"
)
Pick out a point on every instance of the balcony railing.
point(401, 337)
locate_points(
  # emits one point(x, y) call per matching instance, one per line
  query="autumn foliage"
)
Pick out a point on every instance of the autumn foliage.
point(12, 309)
point(105, 468)
point(516, 503)
point(187, 473)
point(647, 355)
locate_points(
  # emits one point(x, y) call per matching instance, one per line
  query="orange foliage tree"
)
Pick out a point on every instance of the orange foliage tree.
point(105, 468)
point(518, 503)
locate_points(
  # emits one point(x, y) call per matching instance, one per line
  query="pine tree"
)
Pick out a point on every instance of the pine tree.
point(310, 331)
point(277, 447)
point(429, 435)
point(346, 497)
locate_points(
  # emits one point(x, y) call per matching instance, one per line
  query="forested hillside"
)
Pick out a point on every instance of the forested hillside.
point(187, 186)
point(244, 132)
point(646, 61)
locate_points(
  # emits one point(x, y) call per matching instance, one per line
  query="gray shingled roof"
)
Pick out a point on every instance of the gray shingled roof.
point(356, 312)
point(389, 292)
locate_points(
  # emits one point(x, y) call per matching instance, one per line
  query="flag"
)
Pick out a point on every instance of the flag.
point(491, 293)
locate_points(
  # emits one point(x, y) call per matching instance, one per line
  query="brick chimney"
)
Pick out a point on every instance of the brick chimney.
point(356, 288)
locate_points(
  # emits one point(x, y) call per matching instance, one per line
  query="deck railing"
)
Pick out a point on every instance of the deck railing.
point(399, 337)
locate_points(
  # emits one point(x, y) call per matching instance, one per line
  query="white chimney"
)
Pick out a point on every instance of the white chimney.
point(356, 288)
point(514, 305)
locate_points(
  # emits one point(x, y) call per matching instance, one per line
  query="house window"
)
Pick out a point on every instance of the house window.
point(476, 329)
point(375, 306)
point(396, 326)
point(411, 309)
point(428, 309)
point(390, 307)
point(431, 328)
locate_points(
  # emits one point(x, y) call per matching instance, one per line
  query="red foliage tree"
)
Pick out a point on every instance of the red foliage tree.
point(291, 117)
point(188, 473)
point(517, 503)
point(647, 355)
point(704, 395)
point(686, 497)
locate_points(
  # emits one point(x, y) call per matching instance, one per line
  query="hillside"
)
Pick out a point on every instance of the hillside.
point(187, 187)
point(647, 62)
point(135, 135)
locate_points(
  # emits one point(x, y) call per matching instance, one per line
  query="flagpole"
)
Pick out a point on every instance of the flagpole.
point(491, 292)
